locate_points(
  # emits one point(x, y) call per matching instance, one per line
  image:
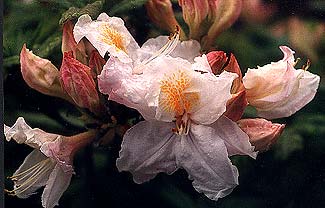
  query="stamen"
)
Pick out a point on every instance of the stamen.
point(296, 62)
point(165, 50)
point(27, 170)
point(306, 66)
point(37, 170)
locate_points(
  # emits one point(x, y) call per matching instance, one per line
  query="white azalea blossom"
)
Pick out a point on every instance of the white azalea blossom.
point(182, 103)
point(108, 34)
point(278, 89)
point(49, 164)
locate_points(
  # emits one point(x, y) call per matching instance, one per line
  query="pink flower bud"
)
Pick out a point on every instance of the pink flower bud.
point(237, 104)
point(161, 13)
point(217, 60)
point(262, 133)
point(69, 44)
point(96, 62)
point(78, 83)
point(40, 74)
point(222, 14)
point(194, 13)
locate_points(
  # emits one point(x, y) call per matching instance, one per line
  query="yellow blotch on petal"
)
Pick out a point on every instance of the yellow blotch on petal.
point(112, 37)
point(173, 96)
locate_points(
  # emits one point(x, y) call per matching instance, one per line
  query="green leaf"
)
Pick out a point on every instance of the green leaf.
point(288, 143)
point(39, 120)
point(71, 118)
point(48, 46)
point(126, 5)
point(93, 10)
point(10, 61)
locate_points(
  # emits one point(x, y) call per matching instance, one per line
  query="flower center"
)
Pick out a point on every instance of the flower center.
point(176, 99)
point(173, 96)
point(111, 36)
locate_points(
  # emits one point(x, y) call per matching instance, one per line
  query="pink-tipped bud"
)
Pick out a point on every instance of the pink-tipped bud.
point(262, 133)
point(96, 62)
point(40, 74)
point(69, 44)
point(194, 13)
point(161, 13)
point(77, 81)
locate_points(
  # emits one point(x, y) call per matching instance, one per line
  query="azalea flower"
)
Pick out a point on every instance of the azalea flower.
point(182, 103)
point(108, 34)
point(49, 164)
point(278, 89)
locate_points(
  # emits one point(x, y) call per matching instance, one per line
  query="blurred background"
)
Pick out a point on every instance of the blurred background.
point(290, 174)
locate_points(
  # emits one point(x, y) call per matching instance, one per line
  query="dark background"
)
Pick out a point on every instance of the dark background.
point(291, 174)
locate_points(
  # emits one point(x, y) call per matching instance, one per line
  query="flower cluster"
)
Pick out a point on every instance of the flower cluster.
point(192, 103)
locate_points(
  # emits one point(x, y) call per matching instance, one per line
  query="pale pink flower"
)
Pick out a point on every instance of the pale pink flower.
point(107, 34)
point(262, 133)
point(278, 89)
point(49, 164)
point(184, 126)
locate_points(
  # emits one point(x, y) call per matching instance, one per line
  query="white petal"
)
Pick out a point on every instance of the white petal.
point(117, 81)
point(21, 132)
point(80, 31)
point(56, 185)
point(307, 89)
point(17, 131)
point(288, 54)
point(100, 32)
point(185, 49)
point(30, 179)
point(236, 141)
point(214, 94)
point(203, 154)
point(148, 149)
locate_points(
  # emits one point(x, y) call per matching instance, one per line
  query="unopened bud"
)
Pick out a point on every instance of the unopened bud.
point(161, 13)
point(262, 133)
point(96, 62)
point(69, 44)
point(222, 14)
point(40, 74)
point(219, 62)
point(77, 81)
point(194, 13)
